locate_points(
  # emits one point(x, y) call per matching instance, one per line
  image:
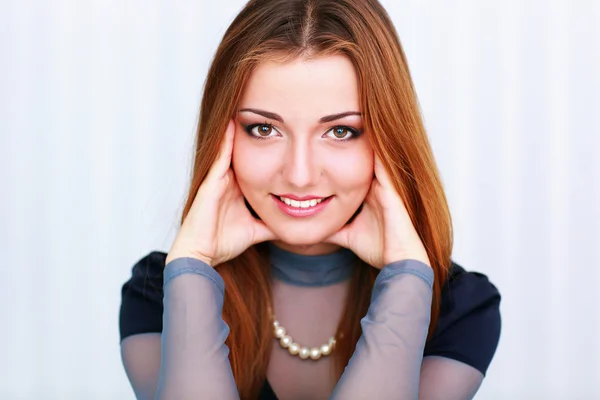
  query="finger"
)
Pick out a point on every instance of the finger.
point(262, 233)
point(236, 192)
point(381, 174)
point(339, 238)
point(221, 165)
point(371, 197)
point(231, 189)
point(384, 189)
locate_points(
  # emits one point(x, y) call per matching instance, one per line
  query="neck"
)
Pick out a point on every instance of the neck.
point(308, 249)
point(319, 269)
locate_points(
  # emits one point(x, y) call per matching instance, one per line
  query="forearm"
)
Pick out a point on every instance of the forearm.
point(194, 360)
point(388, 355)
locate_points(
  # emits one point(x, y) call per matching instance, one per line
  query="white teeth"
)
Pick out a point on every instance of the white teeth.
point(301, 204)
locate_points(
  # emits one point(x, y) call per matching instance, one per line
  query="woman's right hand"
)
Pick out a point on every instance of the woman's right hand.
point(219, 226)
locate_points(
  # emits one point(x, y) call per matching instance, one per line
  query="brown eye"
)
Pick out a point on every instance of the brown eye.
point(264, 130)
point(261, 131)
point(340, 132)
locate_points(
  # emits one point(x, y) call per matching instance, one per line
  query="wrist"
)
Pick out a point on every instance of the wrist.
point(407, 256)
point(175, 255)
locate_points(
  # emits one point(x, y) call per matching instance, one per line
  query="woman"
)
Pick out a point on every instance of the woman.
point(313, 258)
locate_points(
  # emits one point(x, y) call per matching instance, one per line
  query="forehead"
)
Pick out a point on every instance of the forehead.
point(303, 88)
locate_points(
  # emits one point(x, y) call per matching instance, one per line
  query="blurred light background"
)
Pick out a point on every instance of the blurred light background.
point(98, 104)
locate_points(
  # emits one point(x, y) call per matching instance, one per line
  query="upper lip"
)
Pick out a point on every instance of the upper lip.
point(301, 198)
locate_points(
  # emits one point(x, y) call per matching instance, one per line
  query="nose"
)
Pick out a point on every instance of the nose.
point(301, 165)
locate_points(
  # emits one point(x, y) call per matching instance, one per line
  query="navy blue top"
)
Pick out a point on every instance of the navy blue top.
point(468, 328)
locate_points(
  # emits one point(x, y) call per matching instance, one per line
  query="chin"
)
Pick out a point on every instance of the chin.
point(300, 238)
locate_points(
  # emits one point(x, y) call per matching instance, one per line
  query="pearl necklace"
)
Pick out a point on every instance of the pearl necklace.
point(295, 349)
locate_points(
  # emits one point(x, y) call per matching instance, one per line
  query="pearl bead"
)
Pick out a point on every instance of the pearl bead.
point(294, 348)
point(304, 353)
point(315, 353)
point(279, 332)
point(286, 341)
point(326, 349)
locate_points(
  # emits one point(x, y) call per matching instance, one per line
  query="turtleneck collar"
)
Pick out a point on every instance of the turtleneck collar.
point(314, 270)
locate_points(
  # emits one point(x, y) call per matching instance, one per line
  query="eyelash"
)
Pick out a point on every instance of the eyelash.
point(355, 133)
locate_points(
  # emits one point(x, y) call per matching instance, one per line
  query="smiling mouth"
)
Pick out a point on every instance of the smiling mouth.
point(301, 208)
point(302, 203)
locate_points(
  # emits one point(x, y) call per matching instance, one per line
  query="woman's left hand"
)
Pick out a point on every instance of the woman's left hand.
point(382, 232)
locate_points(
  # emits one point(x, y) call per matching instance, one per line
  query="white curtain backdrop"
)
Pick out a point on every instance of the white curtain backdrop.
point(98, 101)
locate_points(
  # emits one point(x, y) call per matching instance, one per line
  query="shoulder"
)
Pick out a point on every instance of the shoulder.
point(468, 329)
point(142, 297)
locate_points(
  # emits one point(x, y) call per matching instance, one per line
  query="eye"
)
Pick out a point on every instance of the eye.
point(260, 131)
point(343, 133)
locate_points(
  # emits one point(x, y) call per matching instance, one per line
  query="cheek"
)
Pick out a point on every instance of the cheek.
point(352, 170)
point(250, 166)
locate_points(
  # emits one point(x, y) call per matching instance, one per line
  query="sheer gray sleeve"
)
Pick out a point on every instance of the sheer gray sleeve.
point(387, 360)
point(194, 360)
point(443, 378)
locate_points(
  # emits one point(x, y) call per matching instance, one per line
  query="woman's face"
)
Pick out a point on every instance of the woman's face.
point(299, 136)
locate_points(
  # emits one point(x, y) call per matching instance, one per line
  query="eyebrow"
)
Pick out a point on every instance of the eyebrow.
point(277, 117)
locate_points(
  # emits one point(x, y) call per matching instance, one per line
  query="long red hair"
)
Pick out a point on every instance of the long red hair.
point(362, 31)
